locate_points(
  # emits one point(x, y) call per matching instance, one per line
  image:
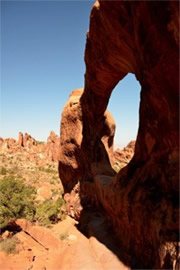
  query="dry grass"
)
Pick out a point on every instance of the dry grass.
point(9, 245)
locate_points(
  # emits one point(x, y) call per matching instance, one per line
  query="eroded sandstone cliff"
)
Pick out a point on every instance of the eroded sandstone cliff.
point(31, 148)
point(139, 37)
point(70, 166)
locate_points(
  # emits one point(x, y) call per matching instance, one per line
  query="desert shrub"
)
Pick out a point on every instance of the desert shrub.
point(16, 200)
point(40, 142)
point(63, 236)
point(55, 177)
point(19, 176)
point(48, 170)
point(54, 192)
point(52, 182)
point(3, 171)
point(8, 245)
point(14, 170)
point(116, 168)
point(49, 212)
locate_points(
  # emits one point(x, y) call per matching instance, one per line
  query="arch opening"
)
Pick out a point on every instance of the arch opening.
point(124, 107)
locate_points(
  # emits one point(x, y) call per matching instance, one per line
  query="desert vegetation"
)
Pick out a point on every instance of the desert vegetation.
point(9, 245)
point(28, 191)
point(18, 200)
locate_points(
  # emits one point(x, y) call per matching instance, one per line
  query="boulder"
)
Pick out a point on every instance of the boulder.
point(5, 235)
point(44, 193)
point(40, 234)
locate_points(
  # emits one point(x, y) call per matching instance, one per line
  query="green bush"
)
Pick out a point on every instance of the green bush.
point(63, 236)
point(8, 245)
point(16, 200)
point(49, 212)
point(3, 171)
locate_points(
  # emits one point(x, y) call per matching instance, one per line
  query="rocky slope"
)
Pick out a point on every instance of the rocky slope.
point(121, 157)
point(60, 248)
point(33, 161)
point(60, 245)
point(139, 37)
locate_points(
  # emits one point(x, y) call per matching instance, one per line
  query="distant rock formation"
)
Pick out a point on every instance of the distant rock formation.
point(20, 139)
point(53, 146)
point(123, 157)
point(26, 140)
point(142, 200)
point(33, 148)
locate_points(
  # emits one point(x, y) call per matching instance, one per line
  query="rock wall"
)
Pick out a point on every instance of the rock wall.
point(139, 37)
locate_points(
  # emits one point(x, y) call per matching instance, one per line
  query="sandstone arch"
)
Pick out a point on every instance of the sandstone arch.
point(142, 199)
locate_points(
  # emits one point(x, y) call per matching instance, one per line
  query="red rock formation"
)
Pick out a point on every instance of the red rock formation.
point(53, 146)
point(33, 149)
point(139, 37)
point(10, 142)
point(73, 203)
point(1, 140)
point(108, 132)
point(122, 157)
point(28, 140)
point(70, 141)
point(20, 139)
point(70, 168)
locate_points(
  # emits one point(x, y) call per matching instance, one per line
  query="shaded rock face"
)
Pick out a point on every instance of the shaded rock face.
point(70, 167)
point(139, 37)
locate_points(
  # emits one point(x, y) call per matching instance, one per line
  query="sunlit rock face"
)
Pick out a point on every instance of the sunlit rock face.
point(141, 201)
point(70, 141)
point(29, 147)
point(122, 157)
point(52, 146)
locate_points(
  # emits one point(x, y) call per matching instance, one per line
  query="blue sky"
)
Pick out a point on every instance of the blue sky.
point(42, 61)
